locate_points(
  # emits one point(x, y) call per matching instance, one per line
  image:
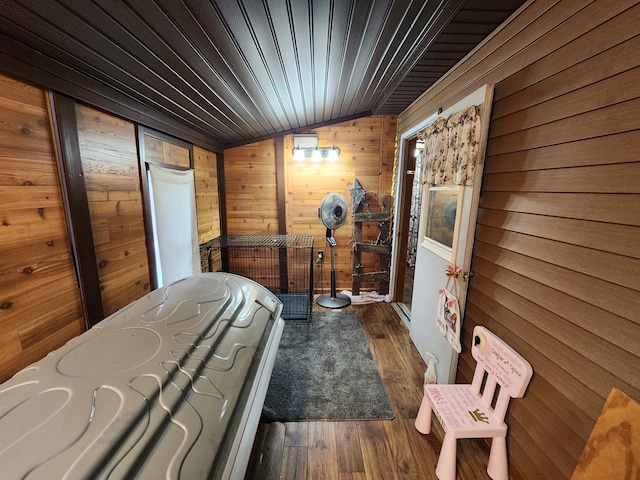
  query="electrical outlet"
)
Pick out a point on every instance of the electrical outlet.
point(320, 256)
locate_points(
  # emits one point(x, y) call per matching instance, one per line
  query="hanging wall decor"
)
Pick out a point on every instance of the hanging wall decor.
point(448, 318)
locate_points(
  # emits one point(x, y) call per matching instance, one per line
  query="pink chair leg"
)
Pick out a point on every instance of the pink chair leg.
point(423, 420)
point(498, 469)
point(446, 468)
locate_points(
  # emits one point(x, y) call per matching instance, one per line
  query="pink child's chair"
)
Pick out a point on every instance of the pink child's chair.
point(466, 411)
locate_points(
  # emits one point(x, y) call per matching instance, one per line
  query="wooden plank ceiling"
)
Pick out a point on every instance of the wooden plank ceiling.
point(234, 71)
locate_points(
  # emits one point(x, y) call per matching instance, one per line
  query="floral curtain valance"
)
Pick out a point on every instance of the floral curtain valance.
point(451, 148)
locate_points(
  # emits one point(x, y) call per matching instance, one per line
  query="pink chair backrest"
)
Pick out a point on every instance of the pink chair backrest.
point(511, 371)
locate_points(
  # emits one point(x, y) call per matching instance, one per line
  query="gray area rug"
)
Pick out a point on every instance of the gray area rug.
point(324, 370)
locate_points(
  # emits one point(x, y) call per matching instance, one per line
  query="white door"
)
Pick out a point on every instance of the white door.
point(432, 260)
point(430, 277)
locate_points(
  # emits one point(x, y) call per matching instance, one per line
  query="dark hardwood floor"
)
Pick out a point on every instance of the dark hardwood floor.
point(367, 449)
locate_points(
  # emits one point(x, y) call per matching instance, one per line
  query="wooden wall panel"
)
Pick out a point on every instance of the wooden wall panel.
point(111, 172)
point(556, 255)
point(524, 41)
point(40, 307)
point(250, 189)
point(207, 201)
point(366, 153)
point(161, 151)
point(367, 147)
point(39, 294)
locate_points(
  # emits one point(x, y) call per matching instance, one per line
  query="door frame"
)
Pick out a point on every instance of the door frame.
point(404, 217)
point(399, 208)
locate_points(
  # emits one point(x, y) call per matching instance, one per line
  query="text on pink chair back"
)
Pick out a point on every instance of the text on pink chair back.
point(511, 371)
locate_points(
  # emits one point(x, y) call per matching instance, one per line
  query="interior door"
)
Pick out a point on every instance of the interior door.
point(432, 261)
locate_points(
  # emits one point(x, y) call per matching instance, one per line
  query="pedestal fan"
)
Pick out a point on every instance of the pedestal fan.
point(333, 212)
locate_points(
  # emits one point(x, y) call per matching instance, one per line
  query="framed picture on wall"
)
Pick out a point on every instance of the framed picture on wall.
point(442, 220)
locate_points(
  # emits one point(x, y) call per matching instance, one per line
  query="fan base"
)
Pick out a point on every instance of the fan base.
point(337, 301)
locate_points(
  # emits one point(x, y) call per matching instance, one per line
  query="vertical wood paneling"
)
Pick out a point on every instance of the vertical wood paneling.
point(250, 189)
point(366, 153)
point(161, 151)
point(40, 306)
point(367, 148)
point(111, 173)
point(387, 152)
point(556, 252)
point(39, 295)
point(207, 201)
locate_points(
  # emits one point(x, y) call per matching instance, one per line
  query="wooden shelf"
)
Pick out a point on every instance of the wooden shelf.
point(373, 248)
point(382, 248)
point(372, 276)
point(372, 217)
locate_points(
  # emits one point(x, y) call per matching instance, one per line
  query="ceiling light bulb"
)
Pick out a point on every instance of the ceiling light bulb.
point(316, 156)
point(334, 154)
point(298, 155)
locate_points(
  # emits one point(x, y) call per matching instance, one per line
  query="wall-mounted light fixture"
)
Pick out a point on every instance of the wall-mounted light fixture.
point(317, 154)
point(306, 146)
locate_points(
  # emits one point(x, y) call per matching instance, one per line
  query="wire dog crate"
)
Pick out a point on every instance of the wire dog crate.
point(281, 263)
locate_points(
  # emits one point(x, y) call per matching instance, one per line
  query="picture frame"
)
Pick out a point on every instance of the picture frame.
point(443, 207)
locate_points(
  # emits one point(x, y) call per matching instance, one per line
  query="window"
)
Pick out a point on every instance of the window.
point(442, 220)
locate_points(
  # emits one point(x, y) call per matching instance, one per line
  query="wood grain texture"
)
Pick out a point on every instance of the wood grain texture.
point(322, 451)
point(40, 307)
point(594, 51)
point(556, 244)
point(207, 198)
point(250, 189)
point(611, 149)
point(349, 454)
point(162, 151)
point(592, 207)
point(365, 154)
point(603, 236)
point(369, 449)
point(112, 179)
point(520, 43)
point(367, 147)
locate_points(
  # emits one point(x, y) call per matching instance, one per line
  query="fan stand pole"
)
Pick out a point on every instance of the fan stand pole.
point(333, 299)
